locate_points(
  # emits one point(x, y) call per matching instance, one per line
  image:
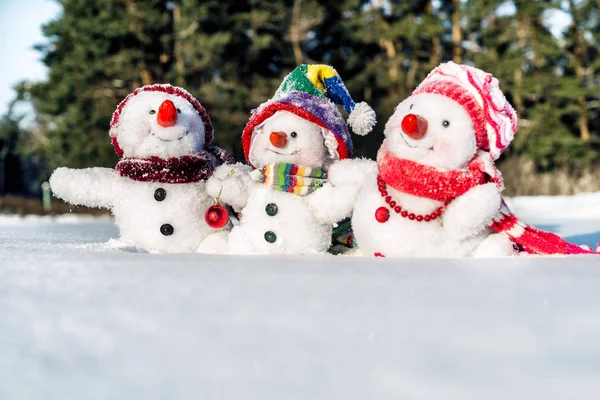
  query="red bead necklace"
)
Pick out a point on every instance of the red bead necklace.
point(382, 214)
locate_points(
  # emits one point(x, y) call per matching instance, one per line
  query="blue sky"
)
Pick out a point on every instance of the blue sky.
point(20, 29)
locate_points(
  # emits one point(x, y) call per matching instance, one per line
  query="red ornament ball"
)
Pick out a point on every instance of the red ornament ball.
point(382, 214)
point(216, 216)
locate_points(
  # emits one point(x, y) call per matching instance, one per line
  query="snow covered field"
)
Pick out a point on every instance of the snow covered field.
point(81, 320)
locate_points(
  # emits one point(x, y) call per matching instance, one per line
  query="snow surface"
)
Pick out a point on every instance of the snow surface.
point(80, 319)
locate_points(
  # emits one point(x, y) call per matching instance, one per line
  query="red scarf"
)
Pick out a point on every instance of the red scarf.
point(185, 169)
point(444, 186)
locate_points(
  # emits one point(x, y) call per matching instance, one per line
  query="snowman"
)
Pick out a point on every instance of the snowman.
point(434, 190)
point(283, 196)
point(157, 190)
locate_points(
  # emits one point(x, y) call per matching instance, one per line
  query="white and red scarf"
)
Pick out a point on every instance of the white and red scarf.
point(444, 186)
point(185, 169)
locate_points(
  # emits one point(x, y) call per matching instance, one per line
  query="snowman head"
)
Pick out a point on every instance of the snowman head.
point(433, 130)
point(162, 121)
point(301, 124)
point(288, 138)
point(455, 112)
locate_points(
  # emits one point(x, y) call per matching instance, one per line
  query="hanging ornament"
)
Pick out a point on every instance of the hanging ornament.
point(217, 216)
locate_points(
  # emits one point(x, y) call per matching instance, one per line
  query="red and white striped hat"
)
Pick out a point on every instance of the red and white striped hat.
point(165, 88)
point(494, 119)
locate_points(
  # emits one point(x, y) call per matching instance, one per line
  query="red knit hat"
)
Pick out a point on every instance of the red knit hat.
point(494, 119)
point(165, 88)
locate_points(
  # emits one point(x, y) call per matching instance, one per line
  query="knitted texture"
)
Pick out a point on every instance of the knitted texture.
point(292, 178)
point(185, 169)
point(444, 186)
point(312, 108)
point(494, 119)
point(165, 88)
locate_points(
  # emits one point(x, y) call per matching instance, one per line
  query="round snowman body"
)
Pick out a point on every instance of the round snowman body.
point(437, 132)
point(162, 122)
point(276, 222)
point(399, 236)
point(164, 217)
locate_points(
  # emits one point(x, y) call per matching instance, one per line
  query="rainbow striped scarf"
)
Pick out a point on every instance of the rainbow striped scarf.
point(292, 178)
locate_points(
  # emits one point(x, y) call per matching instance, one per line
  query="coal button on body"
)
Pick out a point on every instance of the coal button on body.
point(270, 236)
point(271, 209)
point(160, 194)
point(167, 229)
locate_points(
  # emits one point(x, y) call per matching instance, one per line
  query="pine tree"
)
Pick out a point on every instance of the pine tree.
point(97, 53)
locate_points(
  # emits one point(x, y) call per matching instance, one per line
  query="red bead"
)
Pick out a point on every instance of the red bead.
point(382, 214)
point(433, 217)
point(388, 199)
point(427, 218)
point(419, 218)
point(398, 209)
point(216, 216)
point(412, 216)
point(404, 214)
point(384, 193)
point(392, 204)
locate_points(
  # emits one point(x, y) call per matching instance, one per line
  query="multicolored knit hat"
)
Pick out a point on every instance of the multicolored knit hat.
point(313, 92)
point(494, 119)
point(165, 88)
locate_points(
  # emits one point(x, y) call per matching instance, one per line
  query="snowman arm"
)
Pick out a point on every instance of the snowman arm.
point(335, 200)
point(472, 213)
point(331, 204)
point(91, 187)
point(236, 185)
point(355, 170)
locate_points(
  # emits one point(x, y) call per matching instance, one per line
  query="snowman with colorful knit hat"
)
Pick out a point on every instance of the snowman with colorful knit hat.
point(157, 189)
point(283, 196)
point(434, 190)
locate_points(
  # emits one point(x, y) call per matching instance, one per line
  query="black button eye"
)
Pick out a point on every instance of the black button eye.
point(152, 112)
point(293, 134)
point(178, 111)
point(446, 123)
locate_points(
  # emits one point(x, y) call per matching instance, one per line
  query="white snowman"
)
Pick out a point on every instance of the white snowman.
point(157, 190)
point(290, 141)
point(434, 190)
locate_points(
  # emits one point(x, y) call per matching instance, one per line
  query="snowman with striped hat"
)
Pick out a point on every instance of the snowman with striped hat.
point(434, 190)
point(283, 196)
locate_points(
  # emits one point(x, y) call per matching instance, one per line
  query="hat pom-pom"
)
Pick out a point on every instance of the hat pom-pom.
point(362, 119)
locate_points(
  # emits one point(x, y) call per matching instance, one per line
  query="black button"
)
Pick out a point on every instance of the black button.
point(270, 236)
point(160, 194)
point(271, 209)
point(167, 229)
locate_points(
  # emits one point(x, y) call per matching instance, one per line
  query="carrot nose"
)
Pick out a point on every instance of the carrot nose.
point(414, 126)
point(167, 114)
point(278, 139)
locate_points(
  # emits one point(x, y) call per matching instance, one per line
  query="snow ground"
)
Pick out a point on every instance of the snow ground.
point(82, 320)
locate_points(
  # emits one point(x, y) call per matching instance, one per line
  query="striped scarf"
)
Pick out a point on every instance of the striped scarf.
point(292, 178)
point(432, 183)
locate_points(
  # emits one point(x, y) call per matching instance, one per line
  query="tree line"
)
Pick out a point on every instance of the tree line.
point(232, 56)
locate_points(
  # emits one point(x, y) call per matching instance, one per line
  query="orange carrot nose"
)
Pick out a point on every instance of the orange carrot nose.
point(414, 126)
point(278, 139)
point(167, 114)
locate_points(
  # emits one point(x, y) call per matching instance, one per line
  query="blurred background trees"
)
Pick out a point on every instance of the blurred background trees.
point(232, 56)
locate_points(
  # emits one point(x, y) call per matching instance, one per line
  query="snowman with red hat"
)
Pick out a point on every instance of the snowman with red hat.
point(434, 190)
point(283, 196)
point(157, 190)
